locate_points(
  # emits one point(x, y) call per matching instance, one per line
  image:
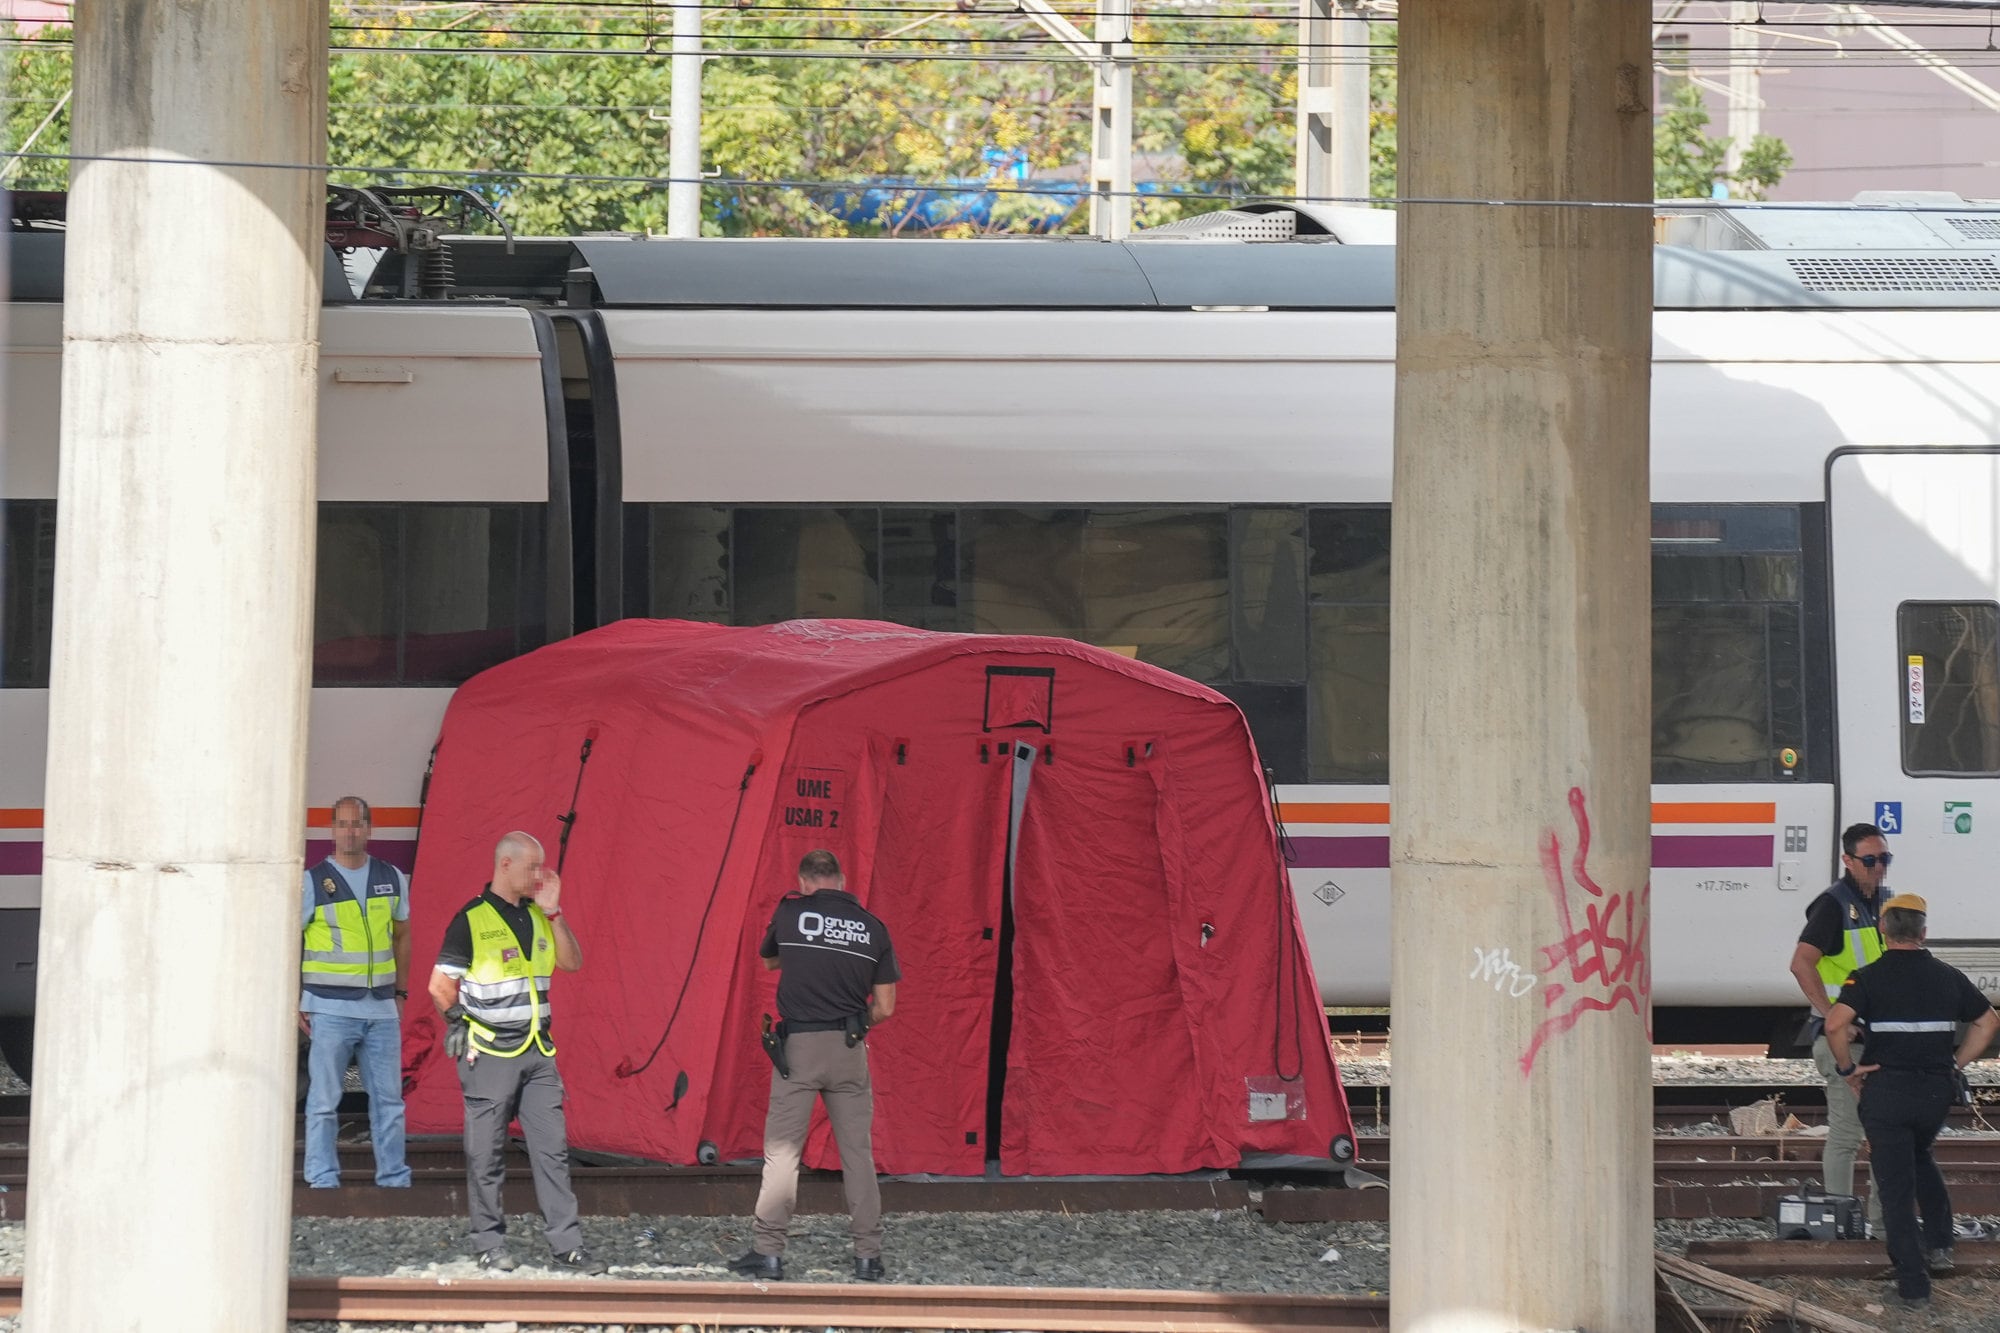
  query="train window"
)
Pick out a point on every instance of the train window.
point(1728, 648)
point(1349, 695)
point(688, 563)
point(920, 568)
point(1949, 678)
point(1268, 595)
point(1347, 577)
point(424, 594)
point(804, 564)
point(1152, 583)
point(27, 591)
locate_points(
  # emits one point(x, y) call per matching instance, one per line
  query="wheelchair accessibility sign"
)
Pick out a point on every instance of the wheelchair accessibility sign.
point(1889, 816)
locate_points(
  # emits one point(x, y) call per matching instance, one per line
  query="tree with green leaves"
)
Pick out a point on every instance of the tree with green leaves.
point(1689, 164)
point(570, 102)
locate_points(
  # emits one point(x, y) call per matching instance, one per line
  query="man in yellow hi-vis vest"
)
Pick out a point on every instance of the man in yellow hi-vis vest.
point(491, 984)
point(1842, 935)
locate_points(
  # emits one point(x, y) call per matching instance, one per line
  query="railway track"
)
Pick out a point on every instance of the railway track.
point(807, 1305)
point(831, 1306)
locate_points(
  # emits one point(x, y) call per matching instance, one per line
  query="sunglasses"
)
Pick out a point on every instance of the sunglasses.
point(1872, 861)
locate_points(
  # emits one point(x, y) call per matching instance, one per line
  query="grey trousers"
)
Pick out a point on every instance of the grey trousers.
point(1844, 1134)
point(824, 1067)
point(499, 1089)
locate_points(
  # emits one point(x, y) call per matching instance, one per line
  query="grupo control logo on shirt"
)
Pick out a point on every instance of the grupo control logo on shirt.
point(833, 929)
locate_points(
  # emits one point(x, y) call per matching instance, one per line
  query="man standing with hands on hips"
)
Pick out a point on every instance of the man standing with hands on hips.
point(492, 982)
point(1912, 1004)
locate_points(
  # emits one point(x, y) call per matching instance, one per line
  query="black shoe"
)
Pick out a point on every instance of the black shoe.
point(583, 1263)
point(1902, 1302)
point(770, 1267)
point(498, 1260)
point(1940, 1261)
point(867, 1270)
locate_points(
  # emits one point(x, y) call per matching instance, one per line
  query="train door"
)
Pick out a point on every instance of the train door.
point(1916, 580)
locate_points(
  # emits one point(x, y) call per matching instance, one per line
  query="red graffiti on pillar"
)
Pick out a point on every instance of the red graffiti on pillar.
point(1605, 958)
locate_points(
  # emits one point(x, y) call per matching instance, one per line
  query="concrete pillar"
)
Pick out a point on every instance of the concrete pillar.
point(163, 1100)
point(684, 110)
point(1746, 93)
point(1520, 618)
point(1111, 122)
point(1332, 157)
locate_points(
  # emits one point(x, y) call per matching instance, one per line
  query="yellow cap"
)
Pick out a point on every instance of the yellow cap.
point(1906, 902)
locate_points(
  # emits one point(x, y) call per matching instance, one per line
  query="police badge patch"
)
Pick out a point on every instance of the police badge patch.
point(326, 886)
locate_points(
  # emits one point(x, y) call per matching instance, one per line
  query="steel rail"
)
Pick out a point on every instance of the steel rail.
point(1827, 1258)
point(815, 1305)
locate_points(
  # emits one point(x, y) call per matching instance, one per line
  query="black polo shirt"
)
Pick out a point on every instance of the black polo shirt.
point(832, 952)
point(1912, 1003)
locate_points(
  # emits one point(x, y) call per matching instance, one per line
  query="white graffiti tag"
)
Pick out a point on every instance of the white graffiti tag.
point(1498, 967)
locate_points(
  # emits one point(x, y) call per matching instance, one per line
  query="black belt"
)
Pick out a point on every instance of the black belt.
point(793, 1027)
point(1910, 1072)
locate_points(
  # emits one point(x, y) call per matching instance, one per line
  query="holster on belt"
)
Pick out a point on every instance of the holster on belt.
point(774, 1046)
point(857, 1028)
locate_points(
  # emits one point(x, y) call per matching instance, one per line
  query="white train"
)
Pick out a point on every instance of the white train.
point(1178, 446)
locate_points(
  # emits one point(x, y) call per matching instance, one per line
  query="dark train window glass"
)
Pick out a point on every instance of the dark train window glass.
point(1711, 693)
point(804, 564)
point(1348, 698)
point(425, 594)
point(689, 563)
point(920, 568)
point(1268, 595)
point(357, 611)
point(1728, 646)
point(1156, 581)
point(1949, 679)
point(1023, 571)
point(1277, 718)
point(1350, 555)
point(1150, 583)
point(27, 591)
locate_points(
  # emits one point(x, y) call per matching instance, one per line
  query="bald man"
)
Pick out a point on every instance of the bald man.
point(491, 983)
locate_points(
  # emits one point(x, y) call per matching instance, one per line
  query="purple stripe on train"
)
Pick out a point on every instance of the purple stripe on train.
point(25, 858)
point(1675, 851)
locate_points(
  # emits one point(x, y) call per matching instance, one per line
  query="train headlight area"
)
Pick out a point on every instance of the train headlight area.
point(1177, 446)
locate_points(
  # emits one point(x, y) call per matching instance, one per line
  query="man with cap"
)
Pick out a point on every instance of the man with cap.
point(1912, 1004)
point(837, 978)
point(1840, 935)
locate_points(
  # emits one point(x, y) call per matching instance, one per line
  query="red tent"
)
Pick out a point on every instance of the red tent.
point(1159, 1013)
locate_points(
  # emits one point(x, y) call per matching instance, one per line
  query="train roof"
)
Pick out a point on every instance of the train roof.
point(1892, 251)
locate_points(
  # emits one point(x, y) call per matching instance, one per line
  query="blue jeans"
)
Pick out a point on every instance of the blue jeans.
point(334, 1040)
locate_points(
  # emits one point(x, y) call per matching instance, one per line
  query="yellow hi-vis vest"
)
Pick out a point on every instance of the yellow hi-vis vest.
point(506, 990)
point(350, 946)
point(1861, 938)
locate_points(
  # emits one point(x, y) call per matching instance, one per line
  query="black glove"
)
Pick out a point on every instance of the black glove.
point(456, 1034)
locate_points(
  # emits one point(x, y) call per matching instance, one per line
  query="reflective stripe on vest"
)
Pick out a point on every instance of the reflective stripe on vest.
point(1933, 1025)
point(506, 994)
point(1861, 941)
point(349, 949)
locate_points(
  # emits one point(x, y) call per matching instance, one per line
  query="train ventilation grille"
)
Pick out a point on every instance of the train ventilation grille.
point(1981, 958)
point(1897, 275)
point(1229, 224)
point(1976, 229)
